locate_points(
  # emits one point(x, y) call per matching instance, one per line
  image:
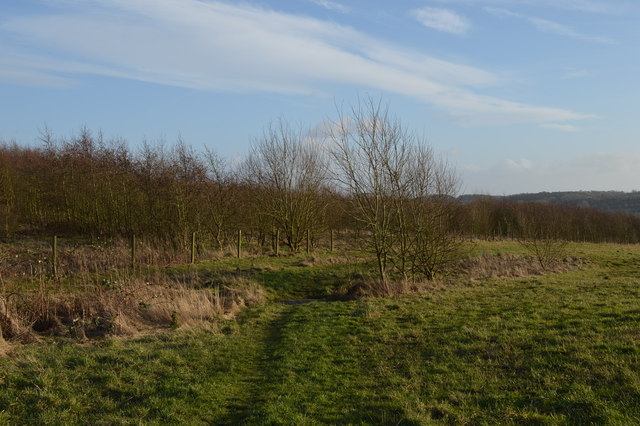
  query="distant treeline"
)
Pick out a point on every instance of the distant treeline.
point(489, 217)
point(609, 201)
point(86, 186)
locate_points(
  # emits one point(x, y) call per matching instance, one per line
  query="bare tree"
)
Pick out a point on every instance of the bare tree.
point(220, 195)
point(541, 229)
point(432, 214)
point(400, 192)
point(363, 144)
point(288, 171)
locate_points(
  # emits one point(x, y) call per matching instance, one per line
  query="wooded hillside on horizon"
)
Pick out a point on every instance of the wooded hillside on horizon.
point(607, 201)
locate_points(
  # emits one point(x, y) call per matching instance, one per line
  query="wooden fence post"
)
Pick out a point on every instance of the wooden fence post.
point(239, 242)
point(307, 241)
point(331, 240)
point(277, 242)
point(54, 255)
point(193, 248)
point(133, 251)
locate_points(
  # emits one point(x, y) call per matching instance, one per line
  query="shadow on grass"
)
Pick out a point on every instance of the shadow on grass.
point(242, 409)
point(303, 281)
point(286, 390)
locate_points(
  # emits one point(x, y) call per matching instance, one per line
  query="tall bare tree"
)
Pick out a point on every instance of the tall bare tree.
point(219, 195)
point(289, 171)
point(362, 146)
point(400, 192)
point(431, 216)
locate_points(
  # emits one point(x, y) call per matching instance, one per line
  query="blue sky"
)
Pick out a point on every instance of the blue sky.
point(520, 95)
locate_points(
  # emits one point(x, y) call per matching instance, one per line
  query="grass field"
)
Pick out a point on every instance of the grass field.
point(555, 349)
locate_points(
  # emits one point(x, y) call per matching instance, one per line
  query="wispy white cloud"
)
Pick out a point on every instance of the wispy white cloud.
point(520, 165)
point(331, 5)
point(613, 7)
point(502, 12)
point(430, 67)
point(552, 27)
point(15, 69)
point(545, 25)
point(560, 127)
point(220, 46)
point(442, 20)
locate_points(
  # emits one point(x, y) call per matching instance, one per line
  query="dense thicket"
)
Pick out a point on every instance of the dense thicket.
point(86, 186)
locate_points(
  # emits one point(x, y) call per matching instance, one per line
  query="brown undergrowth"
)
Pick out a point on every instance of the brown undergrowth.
point(32, 257)
point(95, 292)
point(510, 266)
point(464, 270)
point(125, 307)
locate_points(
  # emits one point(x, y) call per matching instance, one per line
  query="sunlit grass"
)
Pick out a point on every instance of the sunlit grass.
point(554, 349)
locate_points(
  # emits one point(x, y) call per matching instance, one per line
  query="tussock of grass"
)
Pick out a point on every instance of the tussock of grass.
point(486, 266)
point(373, 288)
point(127, 307)
point(96, 293)
point(4, 346)
point(510, 266)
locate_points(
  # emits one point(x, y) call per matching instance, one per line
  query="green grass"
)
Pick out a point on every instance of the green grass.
point(558, 349)
point(286, 277)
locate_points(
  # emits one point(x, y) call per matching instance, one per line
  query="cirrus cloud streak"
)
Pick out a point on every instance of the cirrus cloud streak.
point(220, 46)
point(442, 20)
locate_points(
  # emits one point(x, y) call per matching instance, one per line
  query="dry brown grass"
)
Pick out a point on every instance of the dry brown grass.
point(97, 294)
point(4, 347)
point(464, 270)
point(364, 289)
point(510, 266)
point(29, 258)
point(133, 308)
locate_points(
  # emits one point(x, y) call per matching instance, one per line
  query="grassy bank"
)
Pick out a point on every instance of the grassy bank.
point(554, 349)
